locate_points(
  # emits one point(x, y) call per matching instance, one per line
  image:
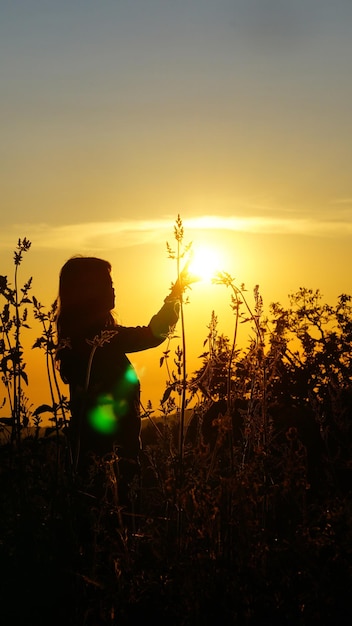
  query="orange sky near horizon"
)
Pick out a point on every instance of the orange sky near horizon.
point(117, 117)
point(142, 276)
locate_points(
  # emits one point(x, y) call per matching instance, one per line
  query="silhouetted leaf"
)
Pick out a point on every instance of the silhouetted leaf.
point(6, 313)
point(166, 395)
point(43, 408)
point(3, 283)
point(38, 342)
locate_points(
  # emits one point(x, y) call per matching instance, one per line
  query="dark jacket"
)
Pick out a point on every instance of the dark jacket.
point(104, 387)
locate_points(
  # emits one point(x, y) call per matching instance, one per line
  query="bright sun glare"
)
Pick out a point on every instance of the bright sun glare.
point(205, 263)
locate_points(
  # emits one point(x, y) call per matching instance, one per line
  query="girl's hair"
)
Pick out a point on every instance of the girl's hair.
point(86, 298)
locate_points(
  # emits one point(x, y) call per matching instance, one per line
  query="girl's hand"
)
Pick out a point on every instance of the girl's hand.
point(185, 279)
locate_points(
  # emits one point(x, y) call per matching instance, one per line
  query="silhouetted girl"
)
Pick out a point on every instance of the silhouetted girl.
point(92, 348)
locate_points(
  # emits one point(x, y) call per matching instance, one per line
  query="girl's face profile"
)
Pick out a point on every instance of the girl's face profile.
point(112, 297)
point(111, 292)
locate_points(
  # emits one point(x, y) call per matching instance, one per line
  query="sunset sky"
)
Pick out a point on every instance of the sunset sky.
point(118, 115)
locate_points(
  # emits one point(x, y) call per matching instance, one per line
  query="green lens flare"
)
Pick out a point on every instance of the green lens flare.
point(102, 417)
point(131, 376)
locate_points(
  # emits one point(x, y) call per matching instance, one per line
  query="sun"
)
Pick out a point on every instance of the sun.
point(205, 262)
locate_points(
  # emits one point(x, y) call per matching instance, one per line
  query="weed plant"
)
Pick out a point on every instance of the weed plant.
point(246, 514)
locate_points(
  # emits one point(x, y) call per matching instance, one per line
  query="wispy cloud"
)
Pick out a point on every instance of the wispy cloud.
point(344, 202)
point(125, 233)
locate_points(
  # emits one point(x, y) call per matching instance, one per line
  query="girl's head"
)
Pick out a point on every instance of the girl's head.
point(86, 296)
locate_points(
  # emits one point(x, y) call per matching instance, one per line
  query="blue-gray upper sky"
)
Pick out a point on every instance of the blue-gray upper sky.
point(135, 109)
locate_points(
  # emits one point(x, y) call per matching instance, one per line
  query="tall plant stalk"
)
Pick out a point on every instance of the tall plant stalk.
point(47, 342)
point(13, 353)
point(179, 239)
point(181, 251)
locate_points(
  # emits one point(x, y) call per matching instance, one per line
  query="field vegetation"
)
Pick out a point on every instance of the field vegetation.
point(244, 512)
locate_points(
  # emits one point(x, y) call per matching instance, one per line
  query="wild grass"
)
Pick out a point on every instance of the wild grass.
point(245, 512)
